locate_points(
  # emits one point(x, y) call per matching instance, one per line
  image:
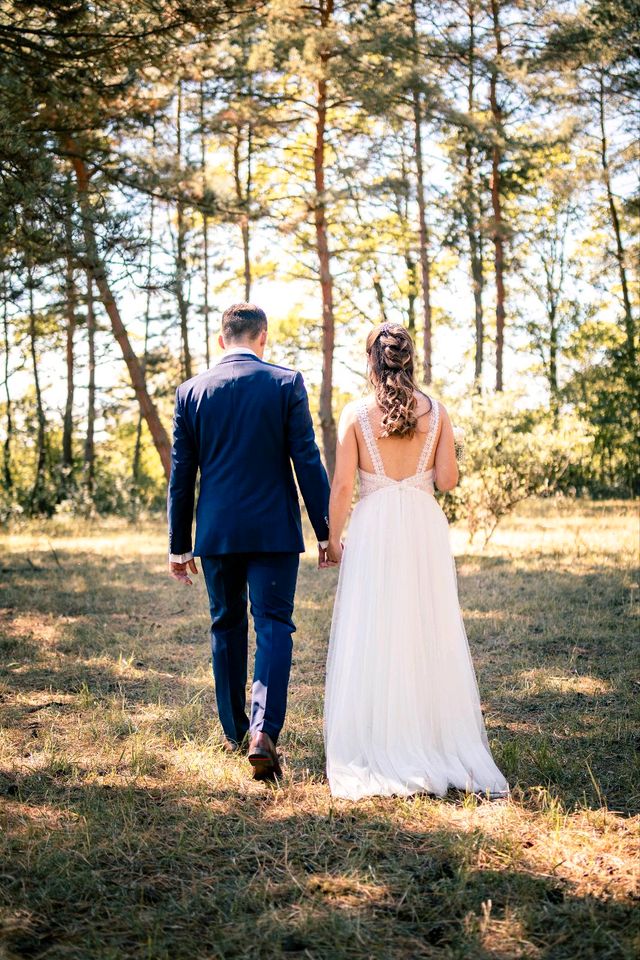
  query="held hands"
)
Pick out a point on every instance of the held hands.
point(330, 556)
point(179, 571)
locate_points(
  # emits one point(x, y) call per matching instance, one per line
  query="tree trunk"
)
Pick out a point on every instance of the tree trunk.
point(425, 265)
point(327, 421)
point(246, 239)
point(37, 500)
point(630, 333)
point(242, 199)
point(412, 295)
point(496, 198)
point(478, 283)
point(205, 305)
point(96, 266)
point(89, 448)
point(71, 311)
point(181, 266)
point(205, 230)
point(6, 449)
point(553, 362)
point(402, 209)
point(147, 317)
point(471, 209)
point(379, 292)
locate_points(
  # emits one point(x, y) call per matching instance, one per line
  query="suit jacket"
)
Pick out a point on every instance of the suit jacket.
point(242, 424)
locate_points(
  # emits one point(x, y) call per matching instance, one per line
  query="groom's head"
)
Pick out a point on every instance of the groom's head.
point(244, 325)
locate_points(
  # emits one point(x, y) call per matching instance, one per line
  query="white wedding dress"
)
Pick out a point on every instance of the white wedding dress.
point(402, 710)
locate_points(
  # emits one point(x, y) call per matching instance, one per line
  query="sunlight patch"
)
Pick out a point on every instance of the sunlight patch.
point(585, 684)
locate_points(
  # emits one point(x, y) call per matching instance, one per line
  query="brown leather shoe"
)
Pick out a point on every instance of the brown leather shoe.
point(263, 758)
point(233, 746)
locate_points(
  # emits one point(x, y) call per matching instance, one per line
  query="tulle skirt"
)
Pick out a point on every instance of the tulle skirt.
point(402, 709)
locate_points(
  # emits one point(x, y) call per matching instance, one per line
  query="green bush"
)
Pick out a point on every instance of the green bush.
point(510, 454)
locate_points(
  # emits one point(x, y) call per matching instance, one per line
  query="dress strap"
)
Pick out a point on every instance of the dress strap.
point(369, 439)
point(431, 435)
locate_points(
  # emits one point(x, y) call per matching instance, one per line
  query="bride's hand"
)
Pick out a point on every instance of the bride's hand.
point(334, 553)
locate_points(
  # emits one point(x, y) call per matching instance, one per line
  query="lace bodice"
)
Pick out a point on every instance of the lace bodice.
point(421, 480)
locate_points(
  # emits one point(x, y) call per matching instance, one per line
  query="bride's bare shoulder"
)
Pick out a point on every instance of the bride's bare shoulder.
point(348, 417)
point(442, 410)
point(426, 403)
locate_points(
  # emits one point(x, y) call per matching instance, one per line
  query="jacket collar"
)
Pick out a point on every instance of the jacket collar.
point(234, 357)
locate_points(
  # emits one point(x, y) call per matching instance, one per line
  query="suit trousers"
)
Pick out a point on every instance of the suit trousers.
point(268, 580)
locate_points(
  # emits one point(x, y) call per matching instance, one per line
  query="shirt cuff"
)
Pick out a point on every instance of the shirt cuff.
point(180, 557)
point(323, 543)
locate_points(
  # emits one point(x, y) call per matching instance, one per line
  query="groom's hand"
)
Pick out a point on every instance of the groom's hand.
point(333, 554)
point(179, 571)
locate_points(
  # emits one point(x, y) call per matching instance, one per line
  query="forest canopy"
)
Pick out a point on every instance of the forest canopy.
point(467, 168)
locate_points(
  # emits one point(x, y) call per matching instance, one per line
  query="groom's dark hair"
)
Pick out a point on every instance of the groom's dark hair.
point(241, 321)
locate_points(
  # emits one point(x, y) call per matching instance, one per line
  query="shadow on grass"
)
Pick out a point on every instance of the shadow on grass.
point(109, 871)
point(554, 650)
point(132, 872)
point(527, 628)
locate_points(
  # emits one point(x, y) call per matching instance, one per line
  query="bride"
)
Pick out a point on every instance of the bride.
point(402, 710)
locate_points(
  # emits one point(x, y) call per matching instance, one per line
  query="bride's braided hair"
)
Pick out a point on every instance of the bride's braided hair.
point(391, 371)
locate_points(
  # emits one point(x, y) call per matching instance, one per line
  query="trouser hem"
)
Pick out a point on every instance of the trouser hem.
point(271, 731)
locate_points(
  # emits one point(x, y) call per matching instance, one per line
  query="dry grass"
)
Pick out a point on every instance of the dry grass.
point(128, 833)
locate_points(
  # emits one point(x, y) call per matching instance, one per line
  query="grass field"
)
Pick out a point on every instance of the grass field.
point(127, 832)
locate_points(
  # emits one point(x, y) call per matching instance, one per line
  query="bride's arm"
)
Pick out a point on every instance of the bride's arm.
point(446, 463)
point(343, 480)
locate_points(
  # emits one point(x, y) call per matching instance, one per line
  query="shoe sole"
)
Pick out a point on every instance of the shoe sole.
point(264, 768)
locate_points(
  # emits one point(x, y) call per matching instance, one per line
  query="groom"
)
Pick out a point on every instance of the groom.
point(242, 424)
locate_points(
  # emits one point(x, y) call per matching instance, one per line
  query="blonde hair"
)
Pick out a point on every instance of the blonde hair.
point(391, 356)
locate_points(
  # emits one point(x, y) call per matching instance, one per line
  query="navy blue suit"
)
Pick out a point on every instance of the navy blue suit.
point(242, 424)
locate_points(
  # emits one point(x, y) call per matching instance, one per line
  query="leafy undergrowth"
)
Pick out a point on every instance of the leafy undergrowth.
point(128, 833)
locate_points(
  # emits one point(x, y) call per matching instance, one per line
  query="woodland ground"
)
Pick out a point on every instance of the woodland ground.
point(126, 832)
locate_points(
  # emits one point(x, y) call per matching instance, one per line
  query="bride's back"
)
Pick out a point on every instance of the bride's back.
point(400, 455)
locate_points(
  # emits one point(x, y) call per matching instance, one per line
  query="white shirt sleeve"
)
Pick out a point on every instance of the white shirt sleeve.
point(180, 557)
